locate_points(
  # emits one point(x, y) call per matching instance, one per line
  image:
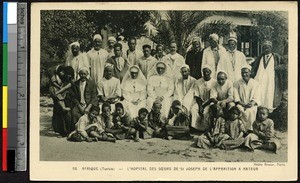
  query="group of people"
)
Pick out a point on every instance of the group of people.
point(108, 94)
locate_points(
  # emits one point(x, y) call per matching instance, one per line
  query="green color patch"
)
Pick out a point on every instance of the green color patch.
point(5, 60)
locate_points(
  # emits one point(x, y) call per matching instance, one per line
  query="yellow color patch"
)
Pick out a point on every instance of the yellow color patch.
point(4, 106)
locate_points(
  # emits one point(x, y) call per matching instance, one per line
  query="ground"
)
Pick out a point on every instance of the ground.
point(59, 149)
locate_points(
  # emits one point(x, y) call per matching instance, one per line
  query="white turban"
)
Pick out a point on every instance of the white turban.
point(222, 71)
point(76, 43)
point(232, 39)
point(112, 38)
point(108, 65)
point(84, 69)
point(267, 43)
point(214, 37)
point(185, 66)
point(196, 39)
point(246, 66)
point(97, 36)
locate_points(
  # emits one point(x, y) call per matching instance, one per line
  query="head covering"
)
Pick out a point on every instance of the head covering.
point(108, 65)
point(112, 38)
point(84, 69)
point(185, 66)
point(157, 102)
point(176, 103)
point(214, 37)
point(97, 36)
point(222, 71)
point(119, 105)
point(247, 66)
point(168, 72)
point(121, 38)
point(76, 43)
point(196, 39)
point(138, 84)
point(134, 69)
point(267, 43)
point(232, 39)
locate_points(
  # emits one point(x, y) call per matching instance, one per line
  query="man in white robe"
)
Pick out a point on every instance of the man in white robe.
point(160, 87)
point(174, 60)
point(236, 60)
point(200, 110)
point(109, 89)
point(147, 62)
point(97, 58)
point(246, 96)
point(222, 92)
point(184, 88)
point(132, 54)
point(214, 54)
point(134, 90)
point(76, 59)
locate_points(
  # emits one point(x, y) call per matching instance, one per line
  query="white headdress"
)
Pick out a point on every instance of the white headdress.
point(140, 83)
point(168, 72)
point(214, 37)
point(112, 38)
point(97, 36)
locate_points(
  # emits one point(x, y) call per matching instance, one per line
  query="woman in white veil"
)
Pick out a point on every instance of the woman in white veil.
point(160, 86)
point(134, 90)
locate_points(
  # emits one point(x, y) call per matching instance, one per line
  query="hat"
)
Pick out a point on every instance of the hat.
point(185, 66)
point(84, 69)
point(111, 38)
point(134, 69)
point(246, 66)
point(196, 39)
point(214, 37)
point(222, 71)
point(232, 39)
point(161, 64)
point(76, 43)
point(176, 103)
point(97, 36)
point(267, 43)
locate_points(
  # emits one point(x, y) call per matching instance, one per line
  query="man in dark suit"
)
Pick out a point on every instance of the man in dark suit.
point(84, 96)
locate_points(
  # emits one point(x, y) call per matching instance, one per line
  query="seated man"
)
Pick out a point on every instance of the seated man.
point(85, 95)
point(178, 122)
point(222, 92)
point(184, 88)
point(109, 89)
point(246, 95)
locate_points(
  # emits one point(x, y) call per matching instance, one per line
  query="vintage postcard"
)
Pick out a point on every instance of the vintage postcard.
point(163, 91)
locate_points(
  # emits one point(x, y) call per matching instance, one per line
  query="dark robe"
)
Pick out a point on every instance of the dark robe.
point(90, 96)
point(119, 74)
point(280, 78)
point(194, 60)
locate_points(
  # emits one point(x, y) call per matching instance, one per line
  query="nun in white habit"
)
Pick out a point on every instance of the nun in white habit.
point(134, 90)
point(160, 87)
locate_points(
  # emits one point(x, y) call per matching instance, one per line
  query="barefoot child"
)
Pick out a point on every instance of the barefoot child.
point(61, 84)
point(234, 130)
point(90, 127)
point(263, 136)
point(210, 138)
point(140, 127)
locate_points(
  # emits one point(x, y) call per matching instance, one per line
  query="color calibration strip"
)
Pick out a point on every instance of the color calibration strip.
point(4, 90)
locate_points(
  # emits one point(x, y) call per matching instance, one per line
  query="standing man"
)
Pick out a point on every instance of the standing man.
point(133, 55)
point(194, 58)
point(97, 58)
point(120, 64)
point(174, 60)
point(147, 61)
point(214, 54)
point(110, 48)
point(159, 52)
point(184, 88)
point(76, 59)
point(237, 59)
point(263, 71)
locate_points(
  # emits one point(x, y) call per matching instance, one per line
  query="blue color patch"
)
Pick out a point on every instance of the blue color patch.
point(5, 22)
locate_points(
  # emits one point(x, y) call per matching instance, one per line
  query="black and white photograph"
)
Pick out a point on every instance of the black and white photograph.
point(139, 85)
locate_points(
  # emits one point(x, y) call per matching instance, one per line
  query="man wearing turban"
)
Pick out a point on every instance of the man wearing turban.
point(194, 58)
point(264, 71)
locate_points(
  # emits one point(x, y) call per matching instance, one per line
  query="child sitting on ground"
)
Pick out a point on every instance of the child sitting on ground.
point(233, 131)
point(140, 127)
point(60, 86)
point(121, 122)
point(211, 137)
point(263, 136)
point(90, 127)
